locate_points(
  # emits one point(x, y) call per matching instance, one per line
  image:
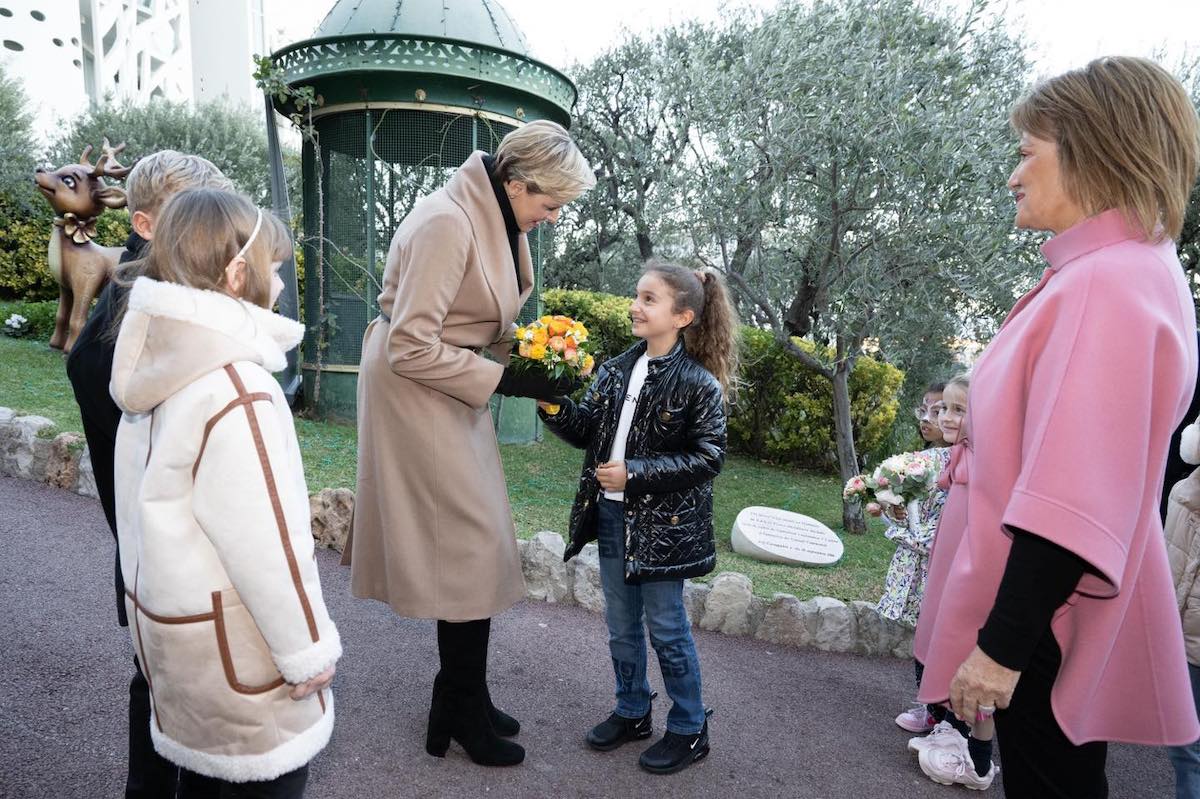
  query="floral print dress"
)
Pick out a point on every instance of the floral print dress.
point(905, 583)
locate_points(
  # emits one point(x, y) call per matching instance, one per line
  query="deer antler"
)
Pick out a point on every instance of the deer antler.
point(106, 164)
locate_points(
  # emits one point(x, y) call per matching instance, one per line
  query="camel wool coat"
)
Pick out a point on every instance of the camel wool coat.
point(433, 533)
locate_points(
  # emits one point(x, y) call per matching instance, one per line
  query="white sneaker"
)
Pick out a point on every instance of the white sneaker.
point(916, 719)
point(953, 766)
point(943, 736)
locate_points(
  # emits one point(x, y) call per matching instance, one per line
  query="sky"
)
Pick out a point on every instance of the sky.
point(1063, 33)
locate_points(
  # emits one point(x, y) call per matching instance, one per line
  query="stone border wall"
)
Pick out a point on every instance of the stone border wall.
point(726, 605)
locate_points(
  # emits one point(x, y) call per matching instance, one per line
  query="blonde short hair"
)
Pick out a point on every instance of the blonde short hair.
point(158, 176)
point(543, 156)
point(1127, 137)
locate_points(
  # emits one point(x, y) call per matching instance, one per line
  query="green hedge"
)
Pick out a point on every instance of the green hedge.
point(40, 315)
point(785, 412)
point(24, 238)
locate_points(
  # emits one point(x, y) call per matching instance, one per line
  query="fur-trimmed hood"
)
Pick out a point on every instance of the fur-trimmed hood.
point(172, 335)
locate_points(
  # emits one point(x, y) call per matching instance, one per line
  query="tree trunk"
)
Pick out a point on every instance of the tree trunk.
point(852, 516)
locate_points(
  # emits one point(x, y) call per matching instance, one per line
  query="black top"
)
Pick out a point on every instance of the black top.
point(1038, 578)
point(89, 368)
point(506, 210)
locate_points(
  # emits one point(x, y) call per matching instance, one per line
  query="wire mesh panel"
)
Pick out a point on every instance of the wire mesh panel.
point(375, 165)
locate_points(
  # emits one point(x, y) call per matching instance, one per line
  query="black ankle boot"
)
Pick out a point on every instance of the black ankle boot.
point(675, 752)
point(504, 725)
point(466, 721)
point(616, 730)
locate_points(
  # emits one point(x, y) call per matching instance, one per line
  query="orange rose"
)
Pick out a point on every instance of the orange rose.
point(571, 355)
point(559, 326)
point(523, 349)
point(558, 344)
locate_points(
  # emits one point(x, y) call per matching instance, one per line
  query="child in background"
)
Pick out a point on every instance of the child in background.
point(955, 752)
point(904, 585)
point(653, 427)
point(216, 548)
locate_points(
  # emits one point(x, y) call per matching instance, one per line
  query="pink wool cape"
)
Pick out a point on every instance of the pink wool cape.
point(1072, 407)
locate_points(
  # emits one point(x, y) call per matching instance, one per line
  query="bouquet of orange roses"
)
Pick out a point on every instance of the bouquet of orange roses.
point(557, 345)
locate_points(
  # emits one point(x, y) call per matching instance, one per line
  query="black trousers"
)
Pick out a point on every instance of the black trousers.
point(151, 776)
point(1037, 759)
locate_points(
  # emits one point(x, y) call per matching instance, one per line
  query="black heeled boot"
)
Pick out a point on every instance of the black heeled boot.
point(504, 725)
point(460, 708)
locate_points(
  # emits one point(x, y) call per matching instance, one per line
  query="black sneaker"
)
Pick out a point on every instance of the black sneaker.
point(675, 752)
point(616, 730)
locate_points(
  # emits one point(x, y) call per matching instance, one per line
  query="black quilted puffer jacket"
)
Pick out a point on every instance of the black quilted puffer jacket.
point(675, 447)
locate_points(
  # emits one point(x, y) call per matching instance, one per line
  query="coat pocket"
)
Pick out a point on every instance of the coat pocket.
point(245, 656)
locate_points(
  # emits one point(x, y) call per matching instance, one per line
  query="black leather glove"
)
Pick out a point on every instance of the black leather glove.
point(536, 385)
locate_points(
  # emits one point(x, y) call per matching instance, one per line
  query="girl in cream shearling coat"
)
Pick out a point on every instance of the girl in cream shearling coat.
point(222, 590)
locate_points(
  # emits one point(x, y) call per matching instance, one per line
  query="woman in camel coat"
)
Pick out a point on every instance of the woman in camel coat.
point(433, 534)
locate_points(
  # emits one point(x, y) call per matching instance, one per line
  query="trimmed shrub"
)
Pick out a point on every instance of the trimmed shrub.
point(24, 239)
point(605, 315)
point(40, 316)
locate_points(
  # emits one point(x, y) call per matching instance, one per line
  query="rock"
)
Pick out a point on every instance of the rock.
point(585, 579)
point(780, 536)
point(835, 631)
point(694, 597)
point(787, 620)
point(332, 511)
point(904, 646)
point(727, 608)
point(86, 486)
point(876, 635)
point(758, 611)
point(62, 465)
point(545, 573)
point(22, 453)
point(6, 415)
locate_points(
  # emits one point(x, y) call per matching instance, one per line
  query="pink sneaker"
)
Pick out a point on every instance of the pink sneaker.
point(915, 720)
point(943, 735)
point(954, 767)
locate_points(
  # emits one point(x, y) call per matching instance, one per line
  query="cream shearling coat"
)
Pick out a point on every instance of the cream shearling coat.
point(222, 589)
point(1183, 543)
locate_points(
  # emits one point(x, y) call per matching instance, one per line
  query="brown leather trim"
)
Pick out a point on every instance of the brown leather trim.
point(321, 699)
point(197, 617)
point(227, 659)
point(276, 505)
point(241, 400)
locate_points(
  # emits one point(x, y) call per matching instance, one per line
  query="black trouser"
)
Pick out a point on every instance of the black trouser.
point(287, 786)
point(1038, 760)
point(151, 776)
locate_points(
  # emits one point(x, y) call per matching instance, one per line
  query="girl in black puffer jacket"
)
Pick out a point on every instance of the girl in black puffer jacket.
point(653, 427)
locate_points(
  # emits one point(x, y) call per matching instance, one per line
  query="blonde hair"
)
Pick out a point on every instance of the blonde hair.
point(196, 236)
point(543, 156)
point(714, 335)
point(961, 380)
point(155, 178)
point(1127, 137)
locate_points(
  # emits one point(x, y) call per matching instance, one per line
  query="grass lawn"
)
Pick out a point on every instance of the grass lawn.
point(541, 483)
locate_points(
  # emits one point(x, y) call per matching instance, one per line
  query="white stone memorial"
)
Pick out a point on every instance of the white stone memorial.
point(780, 536)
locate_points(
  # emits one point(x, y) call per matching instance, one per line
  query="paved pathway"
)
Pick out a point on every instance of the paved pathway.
point(788, 722)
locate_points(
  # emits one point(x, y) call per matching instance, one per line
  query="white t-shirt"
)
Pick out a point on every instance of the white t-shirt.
point(636, 379)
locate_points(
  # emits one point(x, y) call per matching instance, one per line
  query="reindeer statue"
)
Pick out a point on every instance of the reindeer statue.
point(78, 195)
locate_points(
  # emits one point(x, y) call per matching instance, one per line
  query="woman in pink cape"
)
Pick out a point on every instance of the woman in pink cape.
point(1049, 595)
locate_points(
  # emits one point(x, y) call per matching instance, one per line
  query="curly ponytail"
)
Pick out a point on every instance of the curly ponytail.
point(713, 337)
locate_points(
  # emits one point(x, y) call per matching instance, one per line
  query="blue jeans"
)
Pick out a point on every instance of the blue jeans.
point(660, 604)
point(1186, 759)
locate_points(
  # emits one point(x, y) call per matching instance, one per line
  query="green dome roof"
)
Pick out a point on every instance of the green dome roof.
point(466, 54)
point(478, 21)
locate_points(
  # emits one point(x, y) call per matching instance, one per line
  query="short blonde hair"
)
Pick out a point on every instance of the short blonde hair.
point(1127, 137)
point(158, 176)
point(543, 156)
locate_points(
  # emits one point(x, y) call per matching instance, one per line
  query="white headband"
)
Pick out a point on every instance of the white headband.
point(253, 235)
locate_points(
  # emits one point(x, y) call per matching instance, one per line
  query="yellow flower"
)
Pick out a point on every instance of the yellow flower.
point(546, 320)
point(588, 363)
point(520, 334)
point(540, 336)
point(537, 352)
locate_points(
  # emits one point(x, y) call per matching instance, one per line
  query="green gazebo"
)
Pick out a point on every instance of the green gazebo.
point(408, 90)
